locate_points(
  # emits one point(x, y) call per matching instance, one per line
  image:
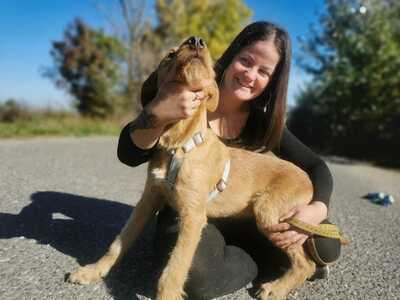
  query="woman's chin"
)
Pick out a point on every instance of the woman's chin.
point(243, 95)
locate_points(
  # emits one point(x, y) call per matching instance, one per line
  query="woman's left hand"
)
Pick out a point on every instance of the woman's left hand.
point(285, 236)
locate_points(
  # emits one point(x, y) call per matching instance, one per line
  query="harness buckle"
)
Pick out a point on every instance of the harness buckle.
point(221, 185)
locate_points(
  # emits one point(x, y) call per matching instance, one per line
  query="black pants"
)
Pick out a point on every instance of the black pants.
point(231, 253)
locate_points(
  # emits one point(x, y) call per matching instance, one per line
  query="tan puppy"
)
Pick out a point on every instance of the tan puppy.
point(185, 172)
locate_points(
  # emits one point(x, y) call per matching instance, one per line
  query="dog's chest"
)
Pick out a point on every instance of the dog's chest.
point(164, 168)
point(158, 175)
point(158, 169)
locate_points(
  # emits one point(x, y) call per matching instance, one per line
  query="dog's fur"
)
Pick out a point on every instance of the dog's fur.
point(260, 186)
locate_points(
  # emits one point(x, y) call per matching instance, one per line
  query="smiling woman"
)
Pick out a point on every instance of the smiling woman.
point(259, 58)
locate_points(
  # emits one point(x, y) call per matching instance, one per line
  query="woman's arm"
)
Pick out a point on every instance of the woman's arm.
point(128, 152)
point(291, 149)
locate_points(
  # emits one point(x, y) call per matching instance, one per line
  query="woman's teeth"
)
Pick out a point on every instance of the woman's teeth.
point(242, 84)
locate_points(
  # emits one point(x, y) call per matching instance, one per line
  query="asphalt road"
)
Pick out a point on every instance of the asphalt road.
point(63, 200)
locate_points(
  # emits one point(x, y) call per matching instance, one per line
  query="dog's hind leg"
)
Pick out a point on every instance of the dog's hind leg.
point(302, 267)
point(172, 280)
point(267, 212)
point(146, 207)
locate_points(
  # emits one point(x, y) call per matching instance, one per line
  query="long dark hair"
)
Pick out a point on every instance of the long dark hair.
point(266, 121)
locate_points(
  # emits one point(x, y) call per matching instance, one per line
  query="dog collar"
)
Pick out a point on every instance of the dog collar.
point(175, 164)
point(193, 142)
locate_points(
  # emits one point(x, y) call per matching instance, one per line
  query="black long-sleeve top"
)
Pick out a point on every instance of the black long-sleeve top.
point(290, 149)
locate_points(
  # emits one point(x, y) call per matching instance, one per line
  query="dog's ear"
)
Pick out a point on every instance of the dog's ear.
point(149, 89)
point(212, 101)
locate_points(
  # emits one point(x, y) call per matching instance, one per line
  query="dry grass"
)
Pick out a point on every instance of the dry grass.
point(60, 124)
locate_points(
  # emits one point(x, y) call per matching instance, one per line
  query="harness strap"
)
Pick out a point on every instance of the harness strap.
point(221, 185)
point(176, 163)
point(173, 170)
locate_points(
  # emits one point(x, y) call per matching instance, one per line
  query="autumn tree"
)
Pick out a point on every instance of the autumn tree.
point(352, 105)
point(87, 66)
point(217, 22)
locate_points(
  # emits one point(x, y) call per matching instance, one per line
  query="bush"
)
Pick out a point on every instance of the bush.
point(12, 111)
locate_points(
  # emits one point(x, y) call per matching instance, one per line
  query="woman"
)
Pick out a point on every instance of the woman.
point(252, 76)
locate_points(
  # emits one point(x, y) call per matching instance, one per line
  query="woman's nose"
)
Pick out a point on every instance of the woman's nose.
point(250, 74)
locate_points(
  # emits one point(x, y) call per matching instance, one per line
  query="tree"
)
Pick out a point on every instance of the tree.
point(87, 60)
point(217, 22)
point(129, 23)
point(87, 66)
point(354, 59)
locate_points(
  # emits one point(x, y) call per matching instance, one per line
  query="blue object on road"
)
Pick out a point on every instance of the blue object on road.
point(380, 198)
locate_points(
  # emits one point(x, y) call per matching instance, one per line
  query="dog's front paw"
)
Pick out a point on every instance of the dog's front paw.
point(169, 293)
point(86, 275)
point(169, 296)
point(267, 291)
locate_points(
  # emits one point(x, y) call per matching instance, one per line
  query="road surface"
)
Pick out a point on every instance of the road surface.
point(63, 200)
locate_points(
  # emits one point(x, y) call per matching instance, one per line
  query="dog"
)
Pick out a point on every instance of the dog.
point(200, 177)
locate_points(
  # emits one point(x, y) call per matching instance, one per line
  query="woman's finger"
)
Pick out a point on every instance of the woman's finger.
point(274, 237)
point(290, 240)
point(285, 237)
point(299, 242)
point(278, 227)
point(294, 240)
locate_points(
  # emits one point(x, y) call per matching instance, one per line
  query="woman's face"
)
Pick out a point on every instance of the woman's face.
point(250, 71)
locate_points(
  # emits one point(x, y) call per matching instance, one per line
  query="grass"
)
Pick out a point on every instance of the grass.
point(60, 124)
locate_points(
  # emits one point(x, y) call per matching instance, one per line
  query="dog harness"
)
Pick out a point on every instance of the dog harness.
point(176, 163)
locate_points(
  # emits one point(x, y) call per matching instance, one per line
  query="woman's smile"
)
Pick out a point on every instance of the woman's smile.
point(243, 85)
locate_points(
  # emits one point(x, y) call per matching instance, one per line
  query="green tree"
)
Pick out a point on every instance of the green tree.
point(217, 22)
point(354, 59)
point(87, 66)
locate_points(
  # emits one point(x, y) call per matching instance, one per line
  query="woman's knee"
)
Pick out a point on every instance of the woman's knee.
point(324, 251)
point(218, 269)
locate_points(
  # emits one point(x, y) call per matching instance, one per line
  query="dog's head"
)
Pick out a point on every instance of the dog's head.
point(189, 64)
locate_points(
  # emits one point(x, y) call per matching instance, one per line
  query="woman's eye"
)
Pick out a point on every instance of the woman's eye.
point(245, 61)
point(264, 73)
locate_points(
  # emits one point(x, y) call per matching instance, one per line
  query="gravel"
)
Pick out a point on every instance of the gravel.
point(63, 200)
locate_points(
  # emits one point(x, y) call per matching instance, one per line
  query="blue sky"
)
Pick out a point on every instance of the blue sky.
point(27, 28)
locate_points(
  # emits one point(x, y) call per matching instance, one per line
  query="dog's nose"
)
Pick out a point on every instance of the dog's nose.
point(195, 42)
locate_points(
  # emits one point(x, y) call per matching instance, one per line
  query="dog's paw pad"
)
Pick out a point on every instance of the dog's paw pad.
point(85, 275)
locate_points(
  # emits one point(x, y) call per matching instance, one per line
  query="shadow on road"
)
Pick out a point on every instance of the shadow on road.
point(83, 228)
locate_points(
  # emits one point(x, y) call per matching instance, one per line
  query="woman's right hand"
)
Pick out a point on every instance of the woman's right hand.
point(176, 101)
